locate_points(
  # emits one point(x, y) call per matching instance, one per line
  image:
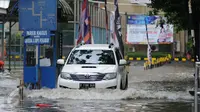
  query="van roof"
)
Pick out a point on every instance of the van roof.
point(95, 46)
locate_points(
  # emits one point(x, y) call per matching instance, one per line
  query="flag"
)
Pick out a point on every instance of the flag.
point(117, 28)
point(106, 20)
point(79, 35)
point(85, 25)
point(149, 53)
point(113, 38)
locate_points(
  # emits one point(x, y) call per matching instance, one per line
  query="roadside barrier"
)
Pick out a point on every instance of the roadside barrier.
point(157, 62)
point(146, 59)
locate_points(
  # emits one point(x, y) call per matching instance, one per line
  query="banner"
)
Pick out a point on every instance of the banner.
point(112, 17)
point(158, 31)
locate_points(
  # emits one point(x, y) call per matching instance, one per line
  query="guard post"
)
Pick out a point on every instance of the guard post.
point(38, 21)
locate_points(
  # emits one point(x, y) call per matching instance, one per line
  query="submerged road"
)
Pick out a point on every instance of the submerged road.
point(162, 89)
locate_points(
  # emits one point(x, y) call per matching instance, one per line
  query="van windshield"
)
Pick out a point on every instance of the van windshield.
point(92, 57)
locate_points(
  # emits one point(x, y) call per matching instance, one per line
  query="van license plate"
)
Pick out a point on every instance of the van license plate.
point(87, 85)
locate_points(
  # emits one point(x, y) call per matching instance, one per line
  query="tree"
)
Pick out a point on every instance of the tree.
point(177, 13)
point(15, 38)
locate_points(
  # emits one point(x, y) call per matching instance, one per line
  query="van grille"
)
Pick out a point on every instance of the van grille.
point(85, 77)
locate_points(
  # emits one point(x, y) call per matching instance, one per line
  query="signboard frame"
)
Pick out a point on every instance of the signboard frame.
point(136, 30)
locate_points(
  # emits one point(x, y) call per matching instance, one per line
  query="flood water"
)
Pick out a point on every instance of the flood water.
point(163, 89)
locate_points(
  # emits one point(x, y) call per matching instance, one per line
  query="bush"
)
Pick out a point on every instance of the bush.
point(144, 54)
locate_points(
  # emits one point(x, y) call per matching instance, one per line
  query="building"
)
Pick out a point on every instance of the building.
point(69, 23)
point(128, 8)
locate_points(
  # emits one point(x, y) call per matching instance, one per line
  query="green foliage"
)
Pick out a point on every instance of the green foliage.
point(126, 48)
point(144, 54)
point(15, 38)
point(176, 11)
point(189, 47)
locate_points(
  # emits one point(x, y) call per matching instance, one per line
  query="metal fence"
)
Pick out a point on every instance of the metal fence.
point(16, 55)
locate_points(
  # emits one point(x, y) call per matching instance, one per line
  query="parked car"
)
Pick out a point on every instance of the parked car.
point(93, 66)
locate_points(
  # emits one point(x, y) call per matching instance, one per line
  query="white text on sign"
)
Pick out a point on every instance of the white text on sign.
point(37, 40)
point(37, 33)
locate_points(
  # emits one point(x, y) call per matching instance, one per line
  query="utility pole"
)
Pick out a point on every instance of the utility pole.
point(196, 85)
point(191, 34)
point(2, 39)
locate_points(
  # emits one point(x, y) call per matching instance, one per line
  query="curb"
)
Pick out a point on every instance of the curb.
point(153, 59)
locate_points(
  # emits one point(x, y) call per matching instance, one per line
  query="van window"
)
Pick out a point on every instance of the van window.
point(92, 57)
point(118, 55)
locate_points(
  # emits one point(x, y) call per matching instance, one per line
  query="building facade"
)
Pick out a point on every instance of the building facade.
point(69, 29)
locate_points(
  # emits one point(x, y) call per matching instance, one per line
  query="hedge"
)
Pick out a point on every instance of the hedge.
point(144, 54)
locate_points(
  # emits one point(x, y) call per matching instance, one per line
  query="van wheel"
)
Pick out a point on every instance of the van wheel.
point(126, 84)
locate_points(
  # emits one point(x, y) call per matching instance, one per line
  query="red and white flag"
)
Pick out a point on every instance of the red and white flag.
point(85, 32)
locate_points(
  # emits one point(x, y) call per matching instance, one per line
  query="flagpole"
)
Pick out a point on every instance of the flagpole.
point(148, 44)
point(146, 30)
point(75, 7)
point(106, 13)
point(82, 22)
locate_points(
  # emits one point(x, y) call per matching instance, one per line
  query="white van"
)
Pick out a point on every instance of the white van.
point(93, 66)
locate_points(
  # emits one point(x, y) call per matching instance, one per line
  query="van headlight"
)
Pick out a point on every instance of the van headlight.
point(65, 76)
point(110, 76)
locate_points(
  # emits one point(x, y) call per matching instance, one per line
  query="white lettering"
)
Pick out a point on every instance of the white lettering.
point(37, 33)
point(31, 32)
point(44, 40)
point(37, 40)
point(41, 32)
point(28, 41)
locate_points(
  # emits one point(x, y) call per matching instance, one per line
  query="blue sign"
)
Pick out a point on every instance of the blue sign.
point(38, 14)
point(140, 19)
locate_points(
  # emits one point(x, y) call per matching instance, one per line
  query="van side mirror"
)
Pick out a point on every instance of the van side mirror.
point(60, 61)
point(122, 62)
